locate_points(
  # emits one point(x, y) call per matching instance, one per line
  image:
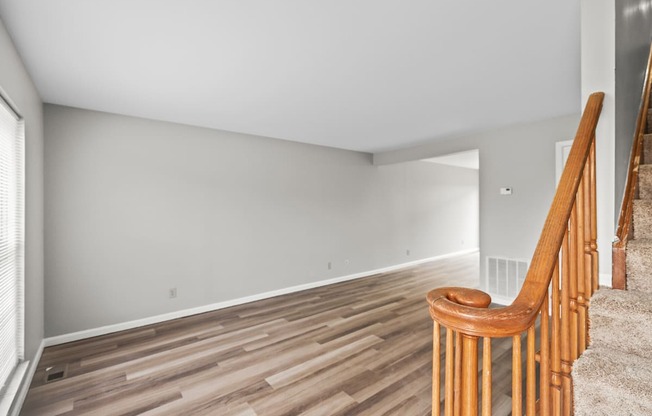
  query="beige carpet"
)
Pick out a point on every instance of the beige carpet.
point(610, 383)
point(622, 320)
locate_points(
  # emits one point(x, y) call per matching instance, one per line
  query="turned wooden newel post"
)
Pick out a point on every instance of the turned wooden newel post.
point(464, 374)
point(469, 375)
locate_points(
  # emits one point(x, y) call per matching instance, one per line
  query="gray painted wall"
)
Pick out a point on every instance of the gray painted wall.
point(135, 207)
point(16, 84)
point(521, 157)
point(633, 35)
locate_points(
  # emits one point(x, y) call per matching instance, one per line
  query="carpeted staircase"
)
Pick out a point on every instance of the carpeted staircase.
point(614, 375)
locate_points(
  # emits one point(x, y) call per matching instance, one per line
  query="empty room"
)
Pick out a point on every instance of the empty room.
point(319, 208)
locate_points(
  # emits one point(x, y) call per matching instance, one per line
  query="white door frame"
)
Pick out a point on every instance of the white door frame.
point(561, 154)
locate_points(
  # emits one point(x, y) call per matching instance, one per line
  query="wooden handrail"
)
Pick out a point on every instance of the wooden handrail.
point(625, 224)
point(562, 277)
point(520, 315)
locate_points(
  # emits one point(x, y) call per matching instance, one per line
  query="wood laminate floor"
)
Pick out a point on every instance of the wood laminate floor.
point(362, 347)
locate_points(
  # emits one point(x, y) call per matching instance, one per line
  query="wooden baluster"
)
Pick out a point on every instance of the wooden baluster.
point(594, 220)
point(544, 364)
point(517, 394)
point(530, 371)
point(588, 257)
point(436, 369)
point(580, 226)
point(449, 395)
point(469, 375)
point(555, 356)
point(457, 408)
point(572, 287)
point(486, 377)
point(564, 334)
point(573, 320)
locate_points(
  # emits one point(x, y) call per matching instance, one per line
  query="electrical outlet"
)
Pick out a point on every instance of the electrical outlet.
point(346, 262)
point(330, 265)
point(173, 292)
point(407, 252)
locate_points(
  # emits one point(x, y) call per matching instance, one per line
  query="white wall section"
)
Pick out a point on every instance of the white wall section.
point(521, 157)
point(598, 64)
point(135, 207)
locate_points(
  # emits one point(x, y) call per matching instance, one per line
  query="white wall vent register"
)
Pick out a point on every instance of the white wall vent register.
point(504, 278)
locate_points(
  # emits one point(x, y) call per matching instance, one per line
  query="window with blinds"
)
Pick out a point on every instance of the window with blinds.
point(11, 242)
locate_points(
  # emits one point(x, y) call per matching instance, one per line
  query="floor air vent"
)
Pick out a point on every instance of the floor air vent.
point(504, 278)
point(55, 373)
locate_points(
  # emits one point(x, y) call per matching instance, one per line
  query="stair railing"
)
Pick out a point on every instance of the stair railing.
point(625, 230)
point(553, 301)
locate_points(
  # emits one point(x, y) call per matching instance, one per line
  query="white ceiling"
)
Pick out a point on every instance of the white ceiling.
point(469, 159)
point(367, 75)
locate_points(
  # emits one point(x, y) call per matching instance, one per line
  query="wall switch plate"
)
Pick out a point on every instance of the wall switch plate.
point(506, 191)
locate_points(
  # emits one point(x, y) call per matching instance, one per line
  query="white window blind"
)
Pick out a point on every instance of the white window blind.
point(11, 242)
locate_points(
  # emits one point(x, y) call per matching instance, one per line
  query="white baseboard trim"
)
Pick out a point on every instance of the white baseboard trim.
point(605, 279)
point(94, 332)
point(18, 401)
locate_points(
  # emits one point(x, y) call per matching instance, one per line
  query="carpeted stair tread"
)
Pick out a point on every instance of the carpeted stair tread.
point(616, 303)
point(607, 382)
point(639, 264)
point(645, 181)
point(621, 320)
point(643, 218)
